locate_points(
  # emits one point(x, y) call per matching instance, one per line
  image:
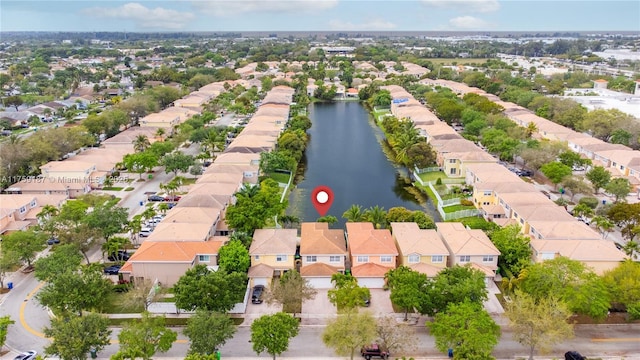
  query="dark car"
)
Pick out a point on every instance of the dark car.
point(112, 270)
point(121, 255)
point(573, 355)
point(366, 301)
point(256, 295)
point(374, 350)
point(27, 355)
point(525, 172)
point(53, 240)
point(155, 198)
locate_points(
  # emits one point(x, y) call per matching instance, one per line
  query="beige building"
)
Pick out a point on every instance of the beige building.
point(600, 255)
point(469, 247)
point(420, 249)
point(274, 248)
point(321, 249)
point(372, 252)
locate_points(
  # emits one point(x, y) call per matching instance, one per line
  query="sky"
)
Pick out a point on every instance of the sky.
point(319, 15)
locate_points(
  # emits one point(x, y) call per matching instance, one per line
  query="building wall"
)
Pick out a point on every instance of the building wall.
point(167, 273)
point(373, 259)
point(325, 259)
point(425, 259)
point(60, 175)
point(271, 260)
point(476, 259)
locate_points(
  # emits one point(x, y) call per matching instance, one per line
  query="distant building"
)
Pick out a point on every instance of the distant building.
point(600, 84)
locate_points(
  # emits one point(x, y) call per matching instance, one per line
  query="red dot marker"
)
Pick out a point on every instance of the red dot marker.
point(322, 198)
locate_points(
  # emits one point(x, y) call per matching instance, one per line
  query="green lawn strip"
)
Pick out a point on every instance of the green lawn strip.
point(454, 208)
point(168, 321)
point(113, 188)
point(429, 193)
point(117, 305)
point(432, 176)
point(128, 189)
point(188, 181)
point(280, 177)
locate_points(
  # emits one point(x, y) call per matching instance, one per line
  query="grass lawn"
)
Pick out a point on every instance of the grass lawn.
point(476, 222)
point(117, 305)
point(280, 177)
point(113, 188)
point(427, 190)
point(432, 176)
point(168, 321)
point(128, 189)
point(454, 208)
point(189, 181)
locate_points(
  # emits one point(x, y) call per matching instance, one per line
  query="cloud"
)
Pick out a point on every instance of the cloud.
point(469, 23)
point(377, 24)
point(236, 7)
point(483, 6)
point(144, 17)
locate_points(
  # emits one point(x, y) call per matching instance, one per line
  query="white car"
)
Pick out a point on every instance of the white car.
point(27, 355)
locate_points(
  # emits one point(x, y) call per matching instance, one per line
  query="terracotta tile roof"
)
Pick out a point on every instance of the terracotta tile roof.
point(318, 269)
point(260, 270)
point(487, 271)
point(370, 270)
point(165, 231)
point(462, 241)
point(221, 177)
point(225, 189)
point(191, 215)
point(581, 250)
point(564, 230)
point(317, 238)
point(203, 201)
point(413, 240)
point(274, 242)
point(16, 201)
point(174, 251)
point(66, 165)
point(427, 269)
point(363, 239)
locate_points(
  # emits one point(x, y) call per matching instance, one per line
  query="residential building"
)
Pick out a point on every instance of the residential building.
point(274, 248)
point(420, 249)
point(372, 253)
point(323, 252)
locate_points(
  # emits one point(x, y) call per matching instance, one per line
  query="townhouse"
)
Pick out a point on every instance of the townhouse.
point(372, 253)
point(323, 253)
point(272, 254)
point(421, 250)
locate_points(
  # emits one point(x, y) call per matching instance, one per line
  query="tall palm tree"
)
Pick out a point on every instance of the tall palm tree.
point(141, 143)
point(353, 214)
point(135, 226)
point(376, 215)
point(248, 191)
point(632, 249)
point(160, 133)
point(604, 225)
point(288, 221)
point(148, 214)
point(163, 208)
point(531, 129)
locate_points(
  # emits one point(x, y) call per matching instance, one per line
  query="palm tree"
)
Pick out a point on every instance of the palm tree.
point(288, 221)
point(353, 214)
point(108, 182)
point(163, 208)
point(141, 143)
point(632, 248)
point(135, 226)
point(148, 214)
point(604, 225)
point(248, 191)
point(160, 133)
point(376, 215)
point(531, 129)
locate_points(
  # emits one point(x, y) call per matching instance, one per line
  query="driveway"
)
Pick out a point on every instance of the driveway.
point(380, 302)
point(317, 310)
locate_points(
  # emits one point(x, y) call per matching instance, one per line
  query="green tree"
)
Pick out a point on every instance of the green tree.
point(201, 288)
point(5, 321)
point(144, 338)
point(141, 143)
point(572, 282)
point(619, 188)
point(455, 285)
point(234, 257)
point(599, 177)
point(407, 288)
point(347, 294)
point(251, 212)
point(140, 162)
point(538, 324)
point(349, 332)
point(555, 171)
point(24, 244)
point(291, 291)
point(467, 329)
point(271, 333)
point(207, 331)
point(177, 161)
point(67, 257)
point(74, 292)
point(108, 219)
point(353, 214)
point(576, 185)
point(377, 216)
point(627, 217)
point(624, 283)
point(14, 101)
point(73, 337)
point(330, 219)
point(515, 252)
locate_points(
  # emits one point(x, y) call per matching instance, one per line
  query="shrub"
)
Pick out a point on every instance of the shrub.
point(439, 181)
point(466, 202)
point(634, 311)
point(590, 201)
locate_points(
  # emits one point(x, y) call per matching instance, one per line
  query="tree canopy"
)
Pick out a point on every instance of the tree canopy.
point(144, 338)
point(73, 337)
point(207, 331)
point(349, 332)
point(271, 333)
point(201, 288)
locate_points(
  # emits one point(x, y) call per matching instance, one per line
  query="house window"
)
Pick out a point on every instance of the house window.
point(23, 210)
point(385, 259)
point(33, 204)
point(312, 258)
point(256, 258)
point(363, 259)
point(414, 259)
point(487, 193)
point(452, 161)
point(522, 221)
point(334, 258)
point(547, 256)
point(281, 258)
point(437, 258)
point(452, 171)
point(465, 258)
point(487, 258)
point(203, 258)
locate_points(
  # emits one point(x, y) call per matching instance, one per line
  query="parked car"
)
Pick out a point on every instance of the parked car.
point(525, 172)
point(155, 198)
point(121, 255)
point(172, 198)
point(145, 231)
point(53, 240)
point(27, 355)
point(112, 270)
point(256, 295)
point(374, 350)
point(367, 301)
point(573, 355)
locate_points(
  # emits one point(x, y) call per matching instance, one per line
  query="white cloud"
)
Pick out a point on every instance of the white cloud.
point(483, 6)
point(469, 23)
point(235, 7)
point(376, 24)
point(143, 16)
